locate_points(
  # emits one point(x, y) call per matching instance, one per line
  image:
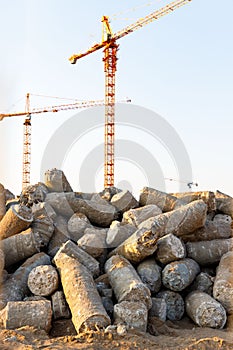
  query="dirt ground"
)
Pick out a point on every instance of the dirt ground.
point(182, 335)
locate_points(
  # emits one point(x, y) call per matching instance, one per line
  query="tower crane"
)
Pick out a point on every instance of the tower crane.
point(110, 46)
point(27, 127)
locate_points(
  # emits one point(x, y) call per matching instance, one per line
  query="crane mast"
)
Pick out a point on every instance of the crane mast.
point(27, 132)
point(110, 65)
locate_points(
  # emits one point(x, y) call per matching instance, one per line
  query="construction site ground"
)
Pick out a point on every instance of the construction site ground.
point(174, 336)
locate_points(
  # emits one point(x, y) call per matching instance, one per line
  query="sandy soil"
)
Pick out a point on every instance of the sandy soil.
point(183, 335)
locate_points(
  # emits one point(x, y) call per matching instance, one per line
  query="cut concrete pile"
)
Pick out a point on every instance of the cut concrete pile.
point(107, 260)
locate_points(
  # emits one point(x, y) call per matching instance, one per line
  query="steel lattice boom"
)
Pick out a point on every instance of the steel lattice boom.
point(110, 59)
point(27, 128)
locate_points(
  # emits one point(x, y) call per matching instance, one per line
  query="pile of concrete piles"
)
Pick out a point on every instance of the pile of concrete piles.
point(110, 261)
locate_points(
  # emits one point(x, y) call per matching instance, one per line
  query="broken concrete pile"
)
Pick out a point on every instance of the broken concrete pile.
point(107, 258)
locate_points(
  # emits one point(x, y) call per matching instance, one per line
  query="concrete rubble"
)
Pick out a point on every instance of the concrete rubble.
point(109, 259)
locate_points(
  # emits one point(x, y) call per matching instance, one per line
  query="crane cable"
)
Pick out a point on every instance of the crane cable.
point(114, 16)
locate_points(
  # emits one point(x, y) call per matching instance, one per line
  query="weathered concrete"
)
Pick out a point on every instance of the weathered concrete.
point(164, 201)
point(72, 250)
point(2, 202)
point(137, 216)
point(203, 282)
point(98, 214)
point(2, 263)
point(175, 304)
point(207, 196)
point(18, 314)
point(204, 310)
point(15, 288)
point(108, 305)
point(81, 294)
point(223, 284)
point(178, 275)
point(93, 242)
point(60, 235)
point(124, 201)
point(21, 246)
point(33, 194)
point(224, 203)
point(158, 309)
point(126, 283)
point(16, 219)
point(59, 306)
point(138, 246)
point(181, 221)
point(109, 192)
point(147, 223)
point(133, 314)
point(56, 181)
point(43, 280)
point(118, 233)
point(170, 248)
point(43, 225)
point(43, 209)
point(209, 252)
point(77, 225)
point(150, 274)
point(216, 229)
point(61, 203)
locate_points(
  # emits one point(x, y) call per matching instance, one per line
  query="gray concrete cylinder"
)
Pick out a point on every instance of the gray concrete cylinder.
point(56, 181)
point(118, 233)
point(15, 288)
point(2, 202)
point(203, 282)
point(125, 281)
point(2, 263)
point(99, 214)
point(224, 203)
point(59, 306)
point(181, 221)
point(207, 196)
point(87, 260)
point(17, 219)
point(43, 280)
point(150, 274)
point(81, 294)
point(21, 246)
point(175, 304)
point(158, 309)
point(77, 225)
point(204, 310)
point(223, 284)
point(93, 242)
point(61, 202)
point(209, 252)
point(164, 201)
point(138, 246)
point(124, 201)
point(18, 314)
point(134, 314)
point(178, 275)
point(137, 216)
point(170, 248)
point(215, 229)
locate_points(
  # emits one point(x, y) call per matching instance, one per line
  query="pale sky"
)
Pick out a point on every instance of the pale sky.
point(180, 67)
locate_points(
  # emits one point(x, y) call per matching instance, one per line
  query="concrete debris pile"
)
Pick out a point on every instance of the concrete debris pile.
point(109, 261)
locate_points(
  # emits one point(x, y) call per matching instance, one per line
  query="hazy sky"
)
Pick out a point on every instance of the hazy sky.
point(179, 67)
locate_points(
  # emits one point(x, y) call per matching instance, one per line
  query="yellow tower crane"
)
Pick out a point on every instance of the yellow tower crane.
point(110, 46)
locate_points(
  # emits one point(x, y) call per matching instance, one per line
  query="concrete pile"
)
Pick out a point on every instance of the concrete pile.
point(109, 261)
